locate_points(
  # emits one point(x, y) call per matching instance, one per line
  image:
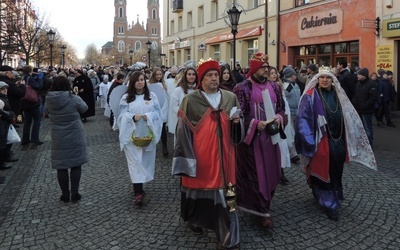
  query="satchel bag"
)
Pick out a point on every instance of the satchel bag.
point(12, 136)
point(31, 95)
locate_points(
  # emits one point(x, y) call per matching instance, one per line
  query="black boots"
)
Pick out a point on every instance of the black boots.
point(284, 180)
point(165, 151)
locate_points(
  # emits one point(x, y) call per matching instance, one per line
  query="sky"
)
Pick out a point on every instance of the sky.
point(82, 22)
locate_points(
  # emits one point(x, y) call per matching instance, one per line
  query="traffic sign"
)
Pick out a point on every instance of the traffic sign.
point(144, 58)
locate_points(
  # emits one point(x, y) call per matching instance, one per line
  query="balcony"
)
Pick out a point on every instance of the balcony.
point(177, 6)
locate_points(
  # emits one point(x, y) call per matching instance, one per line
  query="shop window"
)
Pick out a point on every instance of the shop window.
point(340, 48)
point(354, 47)
point(252, 48)
point(324, 49)
point(217, 53)
point(311, 50)
point(302, 2)
point(324, 61)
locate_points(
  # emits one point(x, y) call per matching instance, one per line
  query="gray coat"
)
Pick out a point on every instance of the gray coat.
point(68, 146)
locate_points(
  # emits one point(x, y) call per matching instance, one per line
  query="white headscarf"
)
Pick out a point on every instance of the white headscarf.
point(358, 147)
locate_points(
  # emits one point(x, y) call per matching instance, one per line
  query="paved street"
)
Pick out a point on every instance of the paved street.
point(32, 217)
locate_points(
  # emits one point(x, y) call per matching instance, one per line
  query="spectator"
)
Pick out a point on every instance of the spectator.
point(68, 147)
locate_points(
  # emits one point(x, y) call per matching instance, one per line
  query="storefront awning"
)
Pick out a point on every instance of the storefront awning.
point(228, 36)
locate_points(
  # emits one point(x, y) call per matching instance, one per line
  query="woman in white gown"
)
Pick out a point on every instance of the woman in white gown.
point(185, 86)
point(139, 105)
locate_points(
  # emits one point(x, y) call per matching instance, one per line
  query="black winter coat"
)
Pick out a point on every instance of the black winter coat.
point(365, 96)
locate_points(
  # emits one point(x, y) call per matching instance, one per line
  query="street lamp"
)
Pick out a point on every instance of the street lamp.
point(131, 55)
point(51, 34)
point(234, 15)
point(149, 50)
point(63, 54)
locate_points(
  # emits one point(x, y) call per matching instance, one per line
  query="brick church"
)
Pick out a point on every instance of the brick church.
point(135, 35)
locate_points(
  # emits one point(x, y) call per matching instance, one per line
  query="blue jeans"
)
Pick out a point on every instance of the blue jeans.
point(31, 114)
point(367, 123)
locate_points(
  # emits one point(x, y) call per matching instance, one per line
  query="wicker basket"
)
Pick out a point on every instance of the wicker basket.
point(142, 141)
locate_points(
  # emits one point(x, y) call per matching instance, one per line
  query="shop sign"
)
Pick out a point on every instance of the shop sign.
point(320, 23)
point(201, 47)
point(391, 28)
point(384, 58)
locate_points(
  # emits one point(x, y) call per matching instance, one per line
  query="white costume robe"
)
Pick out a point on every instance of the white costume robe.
point(175, 101)
point(141, 160)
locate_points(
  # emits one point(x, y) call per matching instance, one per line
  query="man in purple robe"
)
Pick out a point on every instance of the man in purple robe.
point(259, 161)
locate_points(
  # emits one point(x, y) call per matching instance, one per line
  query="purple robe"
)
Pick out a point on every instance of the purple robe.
point(259, 161)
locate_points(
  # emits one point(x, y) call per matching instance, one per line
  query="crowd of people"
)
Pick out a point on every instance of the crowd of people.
point(235, 131)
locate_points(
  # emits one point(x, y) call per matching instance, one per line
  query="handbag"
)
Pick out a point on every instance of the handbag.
point(30, 93)
point(12, 136)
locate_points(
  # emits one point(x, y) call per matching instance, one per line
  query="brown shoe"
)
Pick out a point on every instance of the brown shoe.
point(266, 222)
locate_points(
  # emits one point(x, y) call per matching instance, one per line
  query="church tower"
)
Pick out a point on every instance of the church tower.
point(120, 24)
point(153, 21)
point(134, 35)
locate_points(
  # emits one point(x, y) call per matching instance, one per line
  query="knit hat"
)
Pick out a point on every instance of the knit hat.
point(288, 72)
point(312, 67)
point(389, 73)
point(256, 62)
point(363, 72)
point(206, 66)
point(3, 85)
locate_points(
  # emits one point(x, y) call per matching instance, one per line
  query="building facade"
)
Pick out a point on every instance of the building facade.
point(200, 29)
point(135, 35)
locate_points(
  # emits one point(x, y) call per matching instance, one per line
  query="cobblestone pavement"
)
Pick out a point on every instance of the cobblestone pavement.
point(32, 217)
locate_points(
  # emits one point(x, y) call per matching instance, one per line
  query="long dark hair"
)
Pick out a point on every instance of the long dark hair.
point(184, 82)
point(231, 83)
point(60, 83)
point(131, 91)
point(153, 77)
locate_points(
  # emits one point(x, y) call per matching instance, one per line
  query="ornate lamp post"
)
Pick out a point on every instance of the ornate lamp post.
point(234, 15)
point(148, 50)
point(51, 34)
point(63, 54)
point(131, 55)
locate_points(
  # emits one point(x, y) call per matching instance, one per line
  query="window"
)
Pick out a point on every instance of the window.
point(138, 46)
point(121, 12)
point(180, 24)
point(154, 45)
point(189, 20)
point(214, 10)
point(200, 20)
point(154, 31)
point(302, 2)
point(120, 30)
point(216, 52)
point(252, 48)
point(172, 27)
point(154, 14)
point(121, 46)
